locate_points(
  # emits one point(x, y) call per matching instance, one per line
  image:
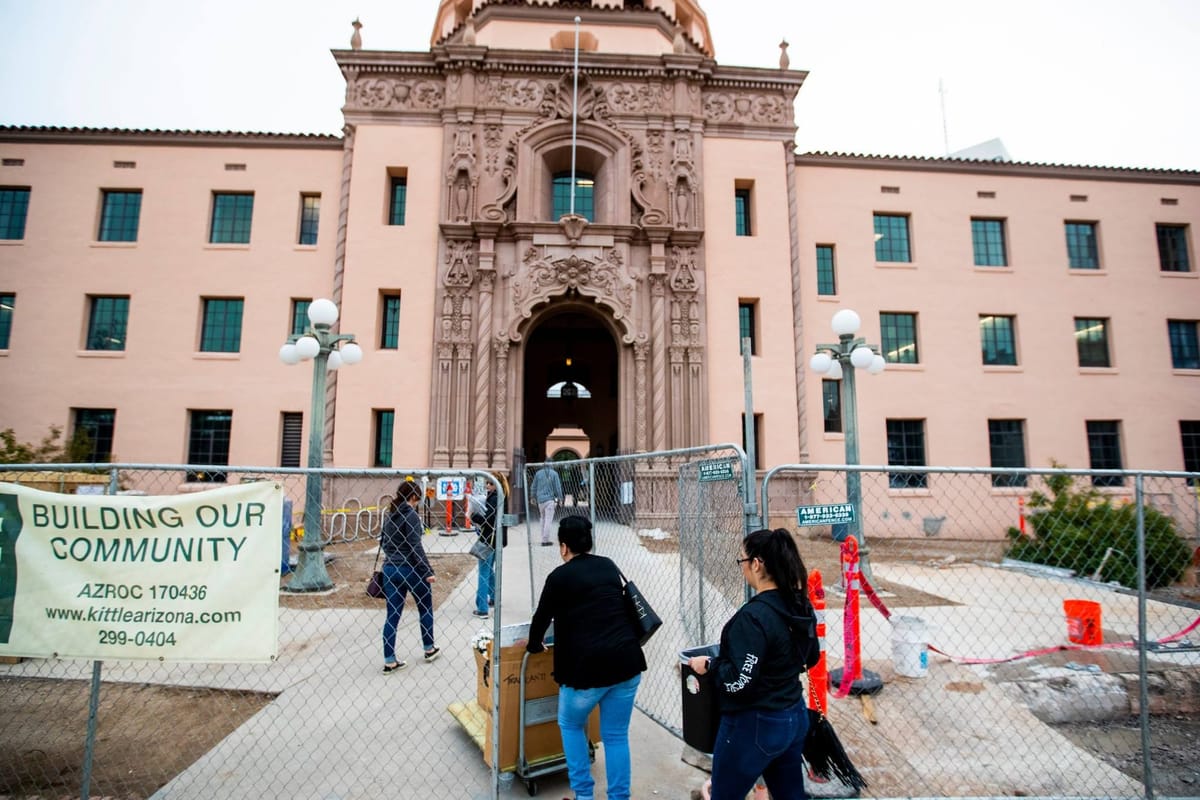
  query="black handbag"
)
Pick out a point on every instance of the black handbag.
point(375, 582)
point(645, 621)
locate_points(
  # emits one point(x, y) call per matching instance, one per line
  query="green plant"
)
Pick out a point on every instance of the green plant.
point(1082, 529)
point(51, 450)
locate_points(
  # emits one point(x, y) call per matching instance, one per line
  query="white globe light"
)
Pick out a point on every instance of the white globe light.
point(835, 371)
point(845, 322)
point(861, 357)
point(877, 365)
point(322, 312)
point(820, 363)
point(351, 353)
point(334, 360)
point(288, 354)
point(307, 347)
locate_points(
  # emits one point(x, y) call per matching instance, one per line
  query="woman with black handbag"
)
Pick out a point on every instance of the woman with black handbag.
point(406, 569)
point(764, 648)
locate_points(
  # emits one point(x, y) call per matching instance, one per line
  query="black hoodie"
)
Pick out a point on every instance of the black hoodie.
point(762, 655)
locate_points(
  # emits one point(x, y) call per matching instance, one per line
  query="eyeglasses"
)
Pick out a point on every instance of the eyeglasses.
point(740, 561)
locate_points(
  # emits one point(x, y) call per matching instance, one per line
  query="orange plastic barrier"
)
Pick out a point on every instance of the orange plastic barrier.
point(818, 676)
point(1083, 621)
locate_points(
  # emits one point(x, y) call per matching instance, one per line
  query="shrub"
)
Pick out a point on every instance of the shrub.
point(1074, 528)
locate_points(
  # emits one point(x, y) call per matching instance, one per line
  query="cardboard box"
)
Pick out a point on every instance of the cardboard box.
point(542, 737)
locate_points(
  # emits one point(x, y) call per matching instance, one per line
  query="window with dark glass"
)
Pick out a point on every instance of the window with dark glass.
point(1081, 245)
point(310, 216)
point(987, 240)
point(1185, 344)
point(831, 405)
point(208, 444)
point(1172, 248)
point(119, 216)
point(998, 339)
point(14, 206)
point(898, 333)
point(385, 422)
point(231, 218)
point(906, 448)
point(221, 331)
point(389, 322)
point(7, 303)
point(290, 438)
point(107, 320)
point(398, 199)
point(891, 238)
point(756, 432)
point(1091, 342)
point(560, 195)
point(826, 276)
point(1104, 450)
point(300, 315)
point(97, 425)
point(747, 325)
point(741, 212)
point(1006, 441)
point(1189, 437)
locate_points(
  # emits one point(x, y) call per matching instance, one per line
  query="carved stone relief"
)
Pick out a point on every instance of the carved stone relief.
point(461, 178)
point(743, 107)
point(460, 261)
point(640, 98)
point(541, 276)
point(375, 93)
point(683, 269)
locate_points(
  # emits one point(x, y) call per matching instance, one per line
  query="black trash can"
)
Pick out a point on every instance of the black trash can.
point(701, 711)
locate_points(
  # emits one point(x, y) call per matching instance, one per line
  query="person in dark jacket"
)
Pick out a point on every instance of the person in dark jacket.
point(763, 646)
point(405, 568)
point(485, 522)
point(597, 659)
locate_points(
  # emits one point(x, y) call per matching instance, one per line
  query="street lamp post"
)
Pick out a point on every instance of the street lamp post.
point(327, 350)
point(838, 362)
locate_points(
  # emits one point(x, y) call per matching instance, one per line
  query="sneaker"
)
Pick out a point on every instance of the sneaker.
point(431, 655)
point(480, 614)
point(491, 602)
point(394, 667)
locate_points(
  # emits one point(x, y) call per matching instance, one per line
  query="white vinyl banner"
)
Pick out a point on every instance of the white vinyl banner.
point(191, 577)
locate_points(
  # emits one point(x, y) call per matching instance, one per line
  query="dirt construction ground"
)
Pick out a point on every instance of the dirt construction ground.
point(40, 754)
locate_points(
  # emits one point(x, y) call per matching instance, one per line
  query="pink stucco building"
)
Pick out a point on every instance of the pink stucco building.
point(147, 278)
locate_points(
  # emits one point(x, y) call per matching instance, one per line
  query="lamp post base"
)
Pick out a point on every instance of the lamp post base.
point(310, 574)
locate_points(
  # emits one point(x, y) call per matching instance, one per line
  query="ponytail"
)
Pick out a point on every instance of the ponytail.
point(781, 559)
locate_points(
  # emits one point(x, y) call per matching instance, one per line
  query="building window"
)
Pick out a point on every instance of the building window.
point(826, 276)
point(119, 216)
point(1006, 440)
point(14, 205)
point(1091, 341)
point(310, 216)
point(397, 200)
point(7, 302)
point(300, 315)
point(1189, 437)
point(560, 195)
point(385, 423)
point(231, 218)
point(906, 448)
point(208, 444)
point(747, 324)
point(891, 238)
point(97, 425)
point(998, 339)
point(741, 212)
point(1172, 248)
point(1185, 345)
point(221, 331)
point(1081, 246)
point(898, 332)
point(757, 434)
point(831, 405)
point(291, 431)
point(389, 321)
point(1104, 450)
point(107, 320)
point(987, 240)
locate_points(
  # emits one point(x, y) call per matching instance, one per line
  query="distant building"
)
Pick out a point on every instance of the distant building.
point(147, 278)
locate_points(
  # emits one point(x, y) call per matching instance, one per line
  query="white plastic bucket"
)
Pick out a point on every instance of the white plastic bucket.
point(909, 640)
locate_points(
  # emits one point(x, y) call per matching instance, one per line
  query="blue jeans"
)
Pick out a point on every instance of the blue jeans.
point(767, 743)
point(485, 584)
point(398, 581)
point(616, 707)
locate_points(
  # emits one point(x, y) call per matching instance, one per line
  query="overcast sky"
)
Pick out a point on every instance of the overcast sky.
point(1102, 82)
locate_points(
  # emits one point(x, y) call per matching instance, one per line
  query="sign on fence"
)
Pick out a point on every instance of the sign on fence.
point(832, 514)
point(190, 577)
point(451, 488)
point(719, 470)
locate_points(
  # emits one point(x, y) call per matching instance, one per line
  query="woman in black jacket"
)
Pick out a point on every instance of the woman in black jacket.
point(763, 651)
point(485, 522)
point(405, 568)
point(597, 659)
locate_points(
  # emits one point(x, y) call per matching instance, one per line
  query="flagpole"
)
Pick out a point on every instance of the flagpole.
point(574, 114)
